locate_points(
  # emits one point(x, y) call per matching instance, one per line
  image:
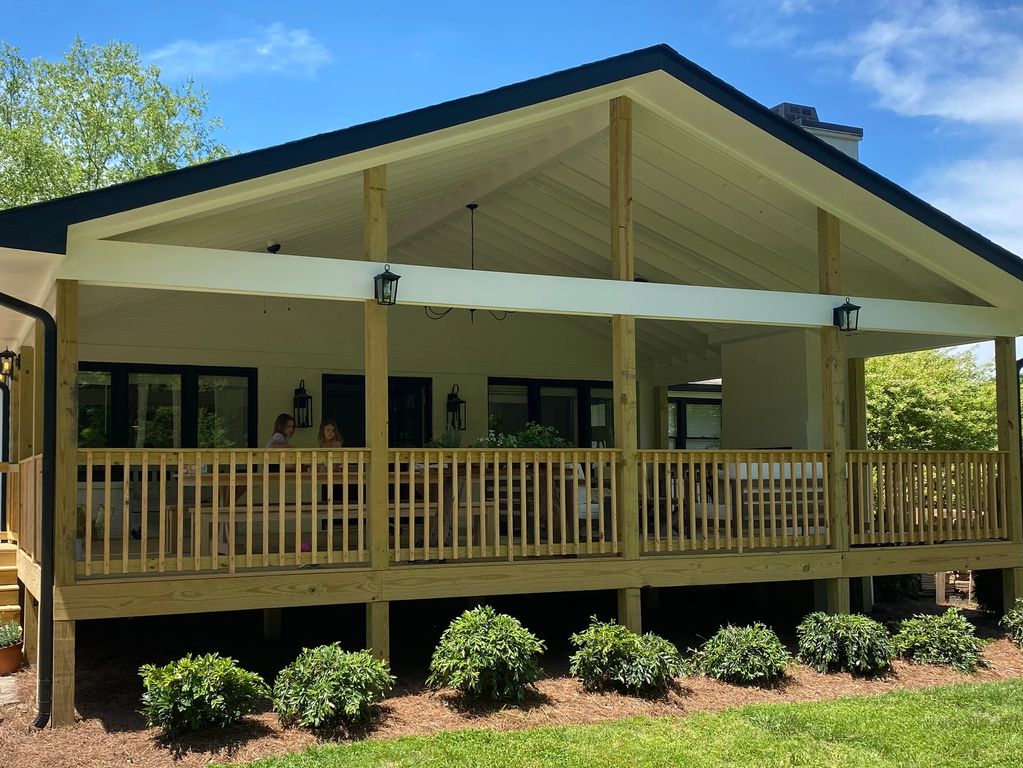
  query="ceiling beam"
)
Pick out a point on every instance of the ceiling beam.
point(200, 269)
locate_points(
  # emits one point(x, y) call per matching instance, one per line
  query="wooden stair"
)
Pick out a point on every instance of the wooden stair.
point(9, 608)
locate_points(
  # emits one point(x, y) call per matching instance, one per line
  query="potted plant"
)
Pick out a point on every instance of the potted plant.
point(10, 647)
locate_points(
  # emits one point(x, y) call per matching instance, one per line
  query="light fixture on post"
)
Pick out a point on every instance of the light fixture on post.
point(385, 286)
point(436, 314)
point(8, 360)
point(456, 410)
point(303, 406)
point(847, 316)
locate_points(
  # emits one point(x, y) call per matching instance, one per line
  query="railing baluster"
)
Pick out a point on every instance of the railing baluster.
point(249, 502)
point(87, 567)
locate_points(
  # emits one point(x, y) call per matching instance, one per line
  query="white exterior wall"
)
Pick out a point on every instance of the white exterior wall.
point(317, 337)
point(771, 392)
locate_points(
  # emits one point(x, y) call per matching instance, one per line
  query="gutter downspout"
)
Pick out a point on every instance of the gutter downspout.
point(44, 668)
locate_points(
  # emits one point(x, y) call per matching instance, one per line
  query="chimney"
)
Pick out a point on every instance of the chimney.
point(843, 137)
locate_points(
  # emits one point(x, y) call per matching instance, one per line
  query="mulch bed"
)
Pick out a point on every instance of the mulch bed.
point(111, 733)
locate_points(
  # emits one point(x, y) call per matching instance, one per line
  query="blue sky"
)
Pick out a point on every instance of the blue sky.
point(937, 85)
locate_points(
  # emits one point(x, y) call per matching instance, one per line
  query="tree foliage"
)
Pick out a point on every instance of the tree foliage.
point(930, 400)
point(97, 117)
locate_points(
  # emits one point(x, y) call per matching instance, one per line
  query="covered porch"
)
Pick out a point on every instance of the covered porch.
point(638, 234)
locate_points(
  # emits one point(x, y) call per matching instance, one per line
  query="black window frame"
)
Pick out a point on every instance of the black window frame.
point(583, 388)
point(120, 427)
point(681, 420)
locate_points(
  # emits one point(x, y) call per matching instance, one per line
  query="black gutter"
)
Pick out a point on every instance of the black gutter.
point(44, 667)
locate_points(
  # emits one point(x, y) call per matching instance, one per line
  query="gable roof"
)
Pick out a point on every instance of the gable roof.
point(43, 226)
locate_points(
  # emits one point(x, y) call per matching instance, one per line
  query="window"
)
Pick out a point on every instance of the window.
point(94, 409)
point(160, 406)
point(694, 425)
point(581, 411)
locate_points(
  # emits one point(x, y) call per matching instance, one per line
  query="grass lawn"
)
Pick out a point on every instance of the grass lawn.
point(962, 726)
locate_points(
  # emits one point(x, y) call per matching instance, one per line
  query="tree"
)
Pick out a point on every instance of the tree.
point(930, 400)
point(97, 117)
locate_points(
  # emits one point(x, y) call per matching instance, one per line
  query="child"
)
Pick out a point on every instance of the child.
point(329, 436)
point(284, 428)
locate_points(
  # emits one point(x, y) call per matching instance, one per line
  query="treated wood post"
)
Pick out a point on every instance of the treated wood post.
point(65, 494)
point(272, 625)
point(30, 624)
point(66, 480)
point(374, 239)
point(1007, 393)
point(661, 409)
point(623, 351)
point(63, 712)
point(834, 396)
point(864, 585)
point(25, 383)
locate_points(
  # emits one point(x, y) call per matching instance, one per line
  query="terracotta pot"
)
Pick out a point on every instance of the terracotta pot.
point(10, 659)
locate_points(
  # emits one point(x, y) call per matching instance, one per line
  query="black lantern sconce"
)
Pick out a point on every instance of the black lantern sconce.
point(847, 316)
point(385, 286)
point(456, 410)
point(8, 361)
point(303, 406)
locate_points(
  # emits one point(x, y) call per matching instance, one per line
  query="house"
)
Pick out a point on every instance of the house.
point(639, 224)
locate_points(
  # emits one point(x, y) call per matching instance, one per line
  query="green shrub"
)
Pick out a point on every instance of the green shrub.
point(750, 655)
point(10, 633)
point(486, 654)
point(943, 639)
point(1012, 621)
point(196, 692)
point(326, 687)
point(845, 643)
point(611, 656)
point(887, 589)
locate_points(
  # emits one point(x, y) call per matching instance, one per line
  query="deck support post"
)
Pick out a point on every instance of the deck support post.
point(30, 625)
point(63, 712)
point(374, 240)
point(834, 406)
point(1007, 394)
point(272, 625)
point(623, 352)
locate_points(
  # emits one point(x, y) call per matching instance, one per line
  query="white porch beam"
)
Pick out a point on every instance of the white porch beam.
point(170, 267)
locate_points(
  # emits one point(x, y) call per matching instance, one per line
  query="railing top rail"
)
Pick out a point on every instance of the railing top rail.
point(221, 451)
point(732, 451)
point(861, 452)
point(505, 450)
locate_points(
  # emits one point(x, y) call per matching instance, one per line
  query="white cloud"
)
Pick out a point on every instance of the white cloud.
point(946, 58)
point(767, 23)
point(275, 49)
point(986, 194)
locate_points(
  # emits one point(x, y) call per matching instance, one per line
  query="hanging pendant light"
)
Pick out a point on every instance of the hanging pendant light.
point(436, 314)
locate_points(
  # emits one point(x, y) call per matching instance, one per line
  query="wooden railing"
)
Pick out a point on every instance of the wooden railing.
point(732, 500)
point(501, 503)
point(9, 476)
point(189, 510)
point(24, 504)
point(913, 497)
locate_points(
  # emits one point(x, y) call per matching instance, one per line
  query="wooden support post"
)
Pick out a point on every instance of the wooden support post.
point(30, 626)
point(37, 392)
point(1007, 394)
point(66, 477)
point(623, 349)
point(25, 382)
point(661, 410)
point(63, 712)
point(834, 397)
point(630, 613)
point(378, 629)
point(272, 625)
point(857, 398)
point(374, 239)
